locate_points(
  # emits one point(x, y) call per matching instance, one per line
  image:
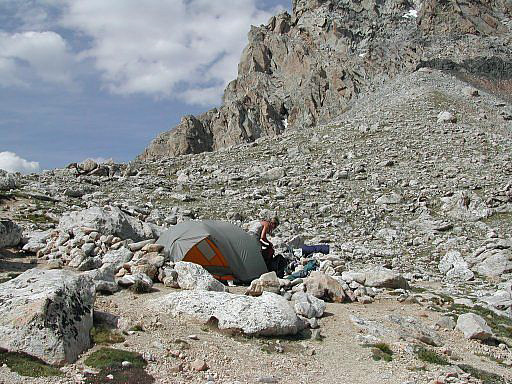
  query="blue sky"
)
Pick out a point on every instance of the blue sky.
point(99, 79)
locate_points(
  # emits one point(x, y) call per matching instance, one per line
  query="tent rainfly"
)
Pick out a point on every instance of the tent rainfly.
point(223, 249)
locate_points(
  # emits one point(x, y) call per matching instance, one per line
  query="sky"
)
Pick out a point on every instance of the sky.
point(99, 79)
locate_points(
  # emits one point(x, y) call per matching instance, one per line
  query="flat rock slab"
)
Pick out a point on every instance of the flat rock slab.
point(47, 314)
point(266, 315)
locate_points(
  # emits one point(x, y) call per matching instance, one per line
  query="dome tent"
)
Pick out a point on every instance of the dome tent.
point(223, 249)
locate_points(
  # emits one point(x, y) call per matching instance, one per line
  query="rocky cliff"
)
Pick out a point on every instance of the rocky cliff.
point(306, 68)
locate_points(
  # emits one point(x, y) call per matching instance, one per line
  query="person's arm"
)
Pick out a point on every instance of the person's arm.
point(264, 231)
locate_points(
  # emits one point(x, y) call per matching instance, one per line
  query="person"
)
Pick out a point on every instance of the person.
point(262, 229)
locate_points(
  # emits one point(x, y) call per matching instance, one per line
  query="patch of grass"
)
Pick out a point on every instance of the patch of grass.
point(109, 362)
point(430, 356)
point(383, 347)
point(102, 335)
point(111, 358)
point(484, 376)
point(26, 365)
point(137, 328)
point(381, 351)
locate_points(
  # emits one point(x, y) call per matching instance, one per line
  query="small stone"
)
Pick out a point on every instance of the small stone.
point(126, 364)
point(199, 365)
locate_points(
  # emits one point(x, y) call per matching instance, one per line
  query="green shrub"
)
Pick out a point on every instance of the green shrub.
point(430, 356)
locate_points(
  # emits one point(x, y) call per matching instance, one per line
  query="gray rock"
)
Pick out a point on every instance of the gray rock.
point(268, 282)
point(495, 262)
point(446, 117)
point(385, 278)
point(193, 276)
point(47, 314)
point(108, 221)
point(36, 240)
point(10, 233)
point(308, 306)
point(266, 315)
point(140, 278)
point(392, 198)
point(473, 327)
point(324, 287)
point(455, 267)
point(7, 181)
point(446, 322)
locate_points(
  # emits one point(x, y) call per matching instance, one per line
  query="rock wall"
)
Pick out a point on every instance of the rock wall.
point(303, 69)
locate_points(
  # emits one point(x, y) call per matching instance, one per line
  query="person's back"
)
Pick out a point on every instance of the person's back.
point(255, 228)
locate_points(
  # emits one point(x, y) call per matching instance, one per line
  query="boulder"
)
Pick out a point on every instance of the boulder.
point(268, 282)
point(109, 221)
point(47, 314)
point(446, 117)
point(494, 262)
point(385, 278)
point(7, 181)
point(266, 315)
point(324, 287)
point(34, 241)
point(10, 233)
point(195, 277)
point(308, 305)
point(473, 327)
point(455, 267)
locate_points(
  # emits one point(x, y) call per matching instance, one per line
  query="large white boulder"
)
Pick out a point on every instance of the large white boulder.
point(10, 233)
point(266, 315)
point(193, 276)
point(47, 314)
point(473, 326)
point(109, 221)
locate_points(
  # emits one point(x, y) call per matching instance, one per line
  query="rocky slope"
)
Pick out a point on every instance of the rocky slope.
point(303, 69)
point(416, 177)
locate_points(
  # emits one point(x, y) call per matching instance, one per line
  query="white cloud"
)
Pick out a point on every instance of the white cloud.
point(168, 48)
point(29, 56)
point(11, 162)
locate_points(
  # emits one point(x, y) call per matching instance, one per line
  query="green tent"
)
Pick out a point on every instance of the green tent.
point(223, 249)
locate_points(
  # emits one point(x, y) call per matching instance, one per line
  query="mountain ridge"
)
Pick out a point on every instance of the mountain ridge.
point(303, 69)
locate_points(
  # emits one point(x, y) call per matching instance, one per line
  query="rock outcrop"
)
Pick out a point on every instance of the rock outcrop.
point(47, 314)
point(304, 69)
point(10, 233)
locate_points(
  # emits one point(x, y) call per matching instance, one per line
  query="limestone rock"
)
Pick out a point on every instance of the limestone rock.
point(193, 276)
point(47, 314)
point(266, 315)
